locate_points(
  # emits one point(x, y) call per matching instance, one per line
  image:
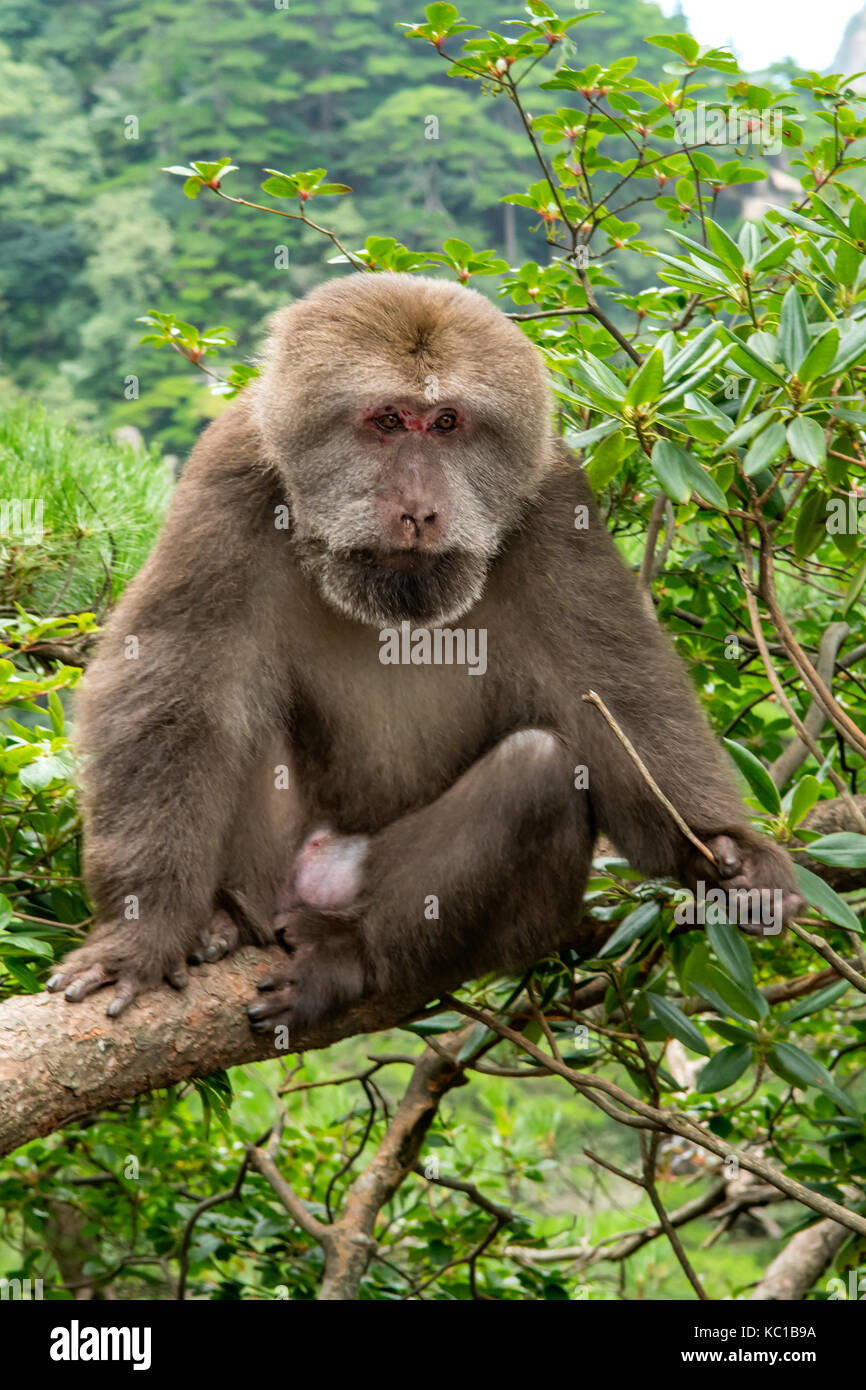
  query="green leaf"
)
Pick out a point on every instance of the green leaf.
point(595, 376)
point(852, 346)
point(578, 439)
point(724, 246)
point(684, 45)
point(631, 927)
point(854, 589)
point(765, 449)
point(732, 952)
point(440, 1023)
point(705, 486)
point(478, 1035)
point(814, 1003)
point(820, 355)
point(606, 459)
point(775, 256)
point(691, 352)
point(857, 219)
point(801, 1069)
point(819, 894)
point(756, 775)
point(667, 464)
point(731, 1031)
point(725, 1068)
point(753, 364)
point(647, 385)
point(749, 242)
point(724, 994)
point(846, 264)
point(43, 771)
point(748, 428)
point(13, 944)
point(678, 1024)
point(803, 798)
point(807, 223)
point(441, 16)
point(844, 850)
point(793, 330)
point(806, 441)
point(811, 526)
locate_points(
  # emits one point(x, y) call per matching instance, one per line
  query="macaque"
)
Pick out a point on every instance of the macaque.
point(257, 772)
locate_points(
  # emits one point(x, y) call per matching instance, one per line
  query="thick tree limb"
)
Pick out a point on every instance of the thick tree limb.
point(60, 1062)
point(804, 1259)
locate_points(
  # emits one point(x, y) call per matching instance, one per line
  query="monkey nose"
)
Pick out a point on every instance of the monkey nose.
point(414, 527)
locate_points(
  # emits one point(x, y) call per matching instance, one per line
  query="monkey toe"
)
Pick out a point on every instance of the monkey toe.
point(219, 938)
point(76, 985)
point(275, 979)
point(267, 1014)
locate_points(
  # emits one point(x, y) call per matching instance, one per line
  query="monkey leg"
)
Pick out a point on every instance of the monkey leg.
point(487, 877)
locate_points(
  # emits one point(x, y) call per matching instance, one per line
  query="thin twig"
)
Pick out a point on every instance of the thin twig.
point(593, 699)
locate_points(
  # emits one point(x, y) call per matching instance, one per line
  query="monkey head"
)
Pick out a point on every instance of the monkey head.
point(410, 423)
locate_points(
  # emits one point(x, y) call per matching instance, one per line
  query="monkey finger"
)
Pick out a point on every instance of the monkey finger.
point(179, 978)
point(270, 1025)
point(128, 988)
point(217, 939)
point(86, 983)
point(268, 1012)
point(726, 854)
point(275, 979)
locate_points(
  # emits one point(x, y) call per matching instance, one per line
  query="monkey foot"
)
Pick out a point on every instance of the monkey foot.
point(323, 975)
point(113, 957)
point(219, 938)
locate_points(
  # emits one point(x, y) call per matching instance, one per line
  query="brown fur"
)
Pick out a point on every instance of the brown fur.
point(259, 646)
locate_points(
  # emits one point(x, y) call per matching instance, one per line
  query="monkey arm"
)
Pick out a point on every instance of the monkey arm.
point(169, 709)
point(623, 655)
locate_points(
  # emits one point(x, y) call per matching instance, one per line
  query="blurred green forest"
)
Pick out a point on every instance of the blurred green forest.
point(96, 96)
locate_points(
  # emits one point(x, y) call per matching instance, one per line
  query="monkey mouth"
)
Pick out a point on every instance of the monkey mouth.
point(411, 561)
point(386, 587)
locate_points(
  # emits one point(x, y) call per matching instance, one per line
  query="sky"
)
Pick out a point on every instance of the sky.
point(760, 31)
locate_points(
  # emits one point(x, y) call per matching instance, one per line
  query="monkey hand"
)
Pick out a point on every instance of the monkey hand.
point(122, 956)
point(324, 973)
point(755, 874)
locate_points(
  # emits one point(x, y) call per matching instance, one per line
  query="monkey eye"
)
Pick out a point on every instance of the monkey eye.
point(446, 422)
point(389, 422)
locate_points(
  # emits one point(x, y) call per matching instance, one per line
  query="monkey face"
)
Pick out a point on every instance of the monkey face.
point(408, 534)
point(410, 423)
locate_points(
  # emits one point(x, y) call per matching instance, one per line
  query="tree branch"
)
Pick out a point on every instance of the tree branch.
point(60, 1062)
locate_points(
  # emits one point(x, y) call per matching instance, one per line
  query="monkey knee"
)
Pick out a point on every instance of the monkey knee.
point(531, 743)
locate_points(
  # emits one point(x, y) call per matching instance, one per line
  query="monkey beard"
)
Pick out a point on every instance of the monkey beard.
point(360, 584)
